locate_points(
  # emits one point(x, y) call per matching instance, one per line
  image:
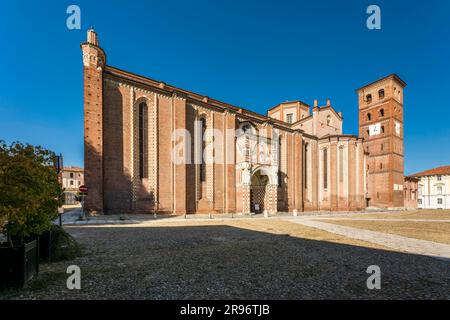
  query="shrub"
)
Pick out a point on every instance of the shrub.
point(64, 246)
point(29, 190)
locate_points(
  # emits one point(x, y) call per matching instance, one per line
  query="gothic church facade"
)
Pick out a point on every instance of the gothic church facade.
point(293, 159)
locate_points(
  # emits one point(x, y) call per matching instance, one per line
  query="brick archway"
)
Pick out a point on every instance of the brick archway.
point(259, 192)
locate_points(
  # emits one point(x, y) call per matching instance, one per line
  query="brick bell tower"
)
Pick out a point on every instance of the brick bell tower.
point(381, 126)
point(94, 60)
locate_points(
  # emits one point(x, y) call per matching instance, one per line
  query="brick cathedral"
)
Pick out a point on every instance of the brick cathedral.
point(153, 147)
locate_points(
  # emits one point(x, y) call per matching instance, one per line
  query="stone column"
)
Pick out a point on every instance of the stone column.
point(245, 187)
point(246, 209)
point(273, 198)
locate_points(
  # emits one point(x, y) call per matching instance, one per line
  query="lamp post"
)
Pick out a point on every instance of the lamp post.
point(59, 167)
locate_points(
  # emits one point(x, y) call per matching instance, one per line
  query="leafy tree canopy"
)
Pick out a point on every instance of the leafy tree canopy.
point(29, 190)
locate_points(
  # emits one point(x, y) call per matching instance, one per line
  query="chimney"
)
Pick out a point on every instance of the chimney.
point(316, 106)
point(328, 102)
point(92, 37)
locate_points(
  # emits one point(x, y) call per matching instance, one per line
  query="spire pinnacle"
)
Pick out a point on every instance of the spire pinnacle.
point(92, 37)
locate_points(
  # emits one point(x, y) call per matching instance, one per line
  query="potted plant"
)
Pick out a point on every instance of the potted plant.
point(29, 196)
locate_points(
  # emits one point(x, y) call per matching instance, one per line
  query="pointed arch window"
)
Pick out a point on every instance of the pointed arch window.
point(325, 168)
point(305, 161)
point(341, 163)
point(203, 144)
point(280, 177)
point(143, 140)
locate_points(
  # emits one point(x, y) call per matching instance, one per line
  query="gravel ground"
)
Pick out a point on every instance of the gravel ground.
point(245, 259)
point(431, 231)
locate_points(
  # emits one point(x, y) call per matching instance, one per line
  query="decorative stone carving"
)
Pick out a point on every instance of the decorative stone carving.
point(246, 174)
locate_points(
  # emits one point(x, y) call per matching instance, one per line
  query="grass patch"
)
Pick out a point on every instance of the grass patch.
point(416, 214)
point(431, 231)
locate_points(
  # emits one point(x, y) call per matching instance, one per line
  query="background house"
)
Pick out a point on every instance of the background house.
point(72, 179)
point(434, 188)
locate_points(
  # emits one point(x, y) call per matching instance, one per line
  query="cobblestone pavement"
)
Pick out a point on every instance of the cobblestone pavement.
point(234, 259)
point(404, 244)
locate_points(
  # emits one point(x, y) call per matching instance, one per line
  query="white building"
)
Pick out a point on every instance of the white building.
point(434, 188)
point(71, 179)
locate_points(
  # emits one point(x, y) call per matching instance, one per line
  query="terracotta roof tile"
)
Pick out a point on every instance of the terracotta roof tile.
point(433, 172)
point(71, 168)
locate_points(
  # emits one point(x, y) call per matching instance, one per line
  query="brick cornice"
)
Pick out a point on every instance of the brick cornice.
point(150, 85)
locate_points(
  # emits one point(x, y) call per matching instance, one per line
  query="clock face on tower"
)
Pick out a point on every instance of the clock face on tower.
point(397, 128)
point(374, 129)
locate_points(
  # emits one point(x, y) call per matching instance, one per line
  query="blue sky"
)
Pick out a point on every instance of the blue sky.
point(252, 54)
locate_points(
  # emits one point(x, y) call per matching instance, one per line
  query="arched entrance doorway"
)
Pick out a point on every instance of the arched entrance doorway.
point(258, 191)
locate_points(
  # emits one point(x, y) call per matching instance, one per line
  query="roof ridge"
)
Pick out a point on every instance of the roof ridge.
point(433, 171)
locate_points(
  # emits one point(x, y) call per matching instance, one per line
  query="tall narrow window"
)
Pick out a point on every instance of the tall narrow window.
point(203, 144)
point(280, 177)
point(289, 118)
point(325, 168)
point(369, 117)
point(381, 112)
point(369, 98)
point(305, 161)
point(143, 141)
point(381, 94)
point(341, 164)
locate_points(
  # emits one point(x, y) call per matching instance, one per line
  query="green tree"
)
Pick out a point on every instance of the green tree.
point(29, 190)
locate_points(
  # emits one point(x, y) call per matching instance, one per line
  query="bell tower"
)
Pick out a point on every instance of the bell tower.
point(94, 60)
point(381, 126)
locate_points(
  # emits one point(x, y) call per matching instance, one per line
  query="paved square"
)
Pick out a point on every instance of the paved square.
point(235, 259)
